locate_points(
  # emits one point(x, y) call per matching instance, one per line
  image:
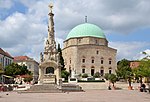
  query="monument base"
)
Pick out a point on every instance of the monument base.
point(72, 80)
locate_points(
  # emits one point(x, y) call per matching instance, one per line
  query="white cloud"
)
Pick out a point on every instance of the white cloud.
point(7, 4)
point(140, 55)
point(129, 50)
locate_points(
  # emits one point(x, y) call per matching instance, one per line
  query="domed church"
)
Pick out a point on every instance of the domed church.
point(86, 51)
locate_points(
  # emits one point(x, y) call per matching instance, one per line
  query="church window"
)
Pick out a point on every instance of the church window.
point(96, 42)
point(29, 66)
point(110, 61)
point(92, 60)
point(70, 60)
point(110, 70)
point(97, 52)
point(70, 70)
point(83, 60)
point(79, 40)
point(83, 70)
point(102, 60)
point(102, 71)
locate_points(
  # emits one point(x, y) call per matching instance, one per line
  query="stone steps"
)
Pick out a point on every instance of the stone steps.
point(45, 88)
point(71, 88)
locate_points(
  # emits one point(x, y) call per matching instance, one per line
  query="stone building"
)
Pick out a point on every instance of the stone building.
point(31, 64)
point(86, 51)
point(5, 58)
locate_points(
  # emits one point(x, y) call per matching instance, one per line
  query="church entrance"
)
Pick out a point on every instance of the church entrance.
point(49, 70)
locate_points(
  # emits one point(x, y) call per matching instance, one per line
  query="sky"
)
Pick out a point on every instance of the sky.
point(126, 24)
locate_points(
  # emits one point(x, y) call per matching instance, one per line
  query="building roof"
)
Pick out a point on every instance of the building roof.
point(21, 58)
point(5, 53)
point(84, 30)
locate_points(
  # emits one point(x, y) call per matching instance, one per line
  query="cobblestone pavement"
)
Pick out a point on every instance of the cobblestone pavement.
point(87, 96)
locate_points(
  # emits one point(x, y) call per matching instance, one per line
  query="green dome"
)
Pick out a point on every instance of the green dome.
point(84, 30)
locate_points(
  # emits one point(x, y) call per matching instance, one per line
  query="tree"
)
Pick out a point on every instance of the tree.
point(122, 67)
point(143, 70)
point(1, 72)
point(112, 78)
point(28, 78)
point(61, 60)
point(106, 76)
point(84, 75)
point(97, 75)
point(1, 69)
point(15, 69)
point(124, 71)
point(65, 74)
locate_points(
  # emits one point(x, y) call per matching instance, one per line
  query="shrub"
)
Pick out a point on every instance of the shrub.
point(106, 76)
point(65, 74)
point(84, 75)
point(97, 75)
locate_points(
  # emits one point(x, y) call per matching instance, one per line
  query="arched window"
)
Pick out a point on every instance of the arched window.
point(92, 70)
point(49, 70)
point(83, 60)
point(70, 60)
point(97, 52)
point(110, 70)
point(102, 71)
point(92, 59)
point(102, 60)
point(83, 70)
point(70, 70)
point(110, 60)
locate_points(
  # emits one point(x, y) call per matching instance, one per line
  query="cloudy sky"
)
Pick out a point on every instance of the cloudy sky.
point(126, 24)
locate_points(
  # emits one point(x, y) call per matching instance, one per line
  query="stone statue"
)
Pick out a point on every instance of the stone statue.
point(73, 73)
point(41, 57)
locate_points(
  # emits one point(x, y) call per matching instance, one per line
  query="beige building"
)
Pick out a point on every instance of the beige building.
point(86, 51)
point(31, 64)
point(5, 58)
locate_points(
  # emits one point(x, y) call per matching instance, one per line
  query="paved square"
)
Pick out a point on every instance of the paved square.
point(87, 96)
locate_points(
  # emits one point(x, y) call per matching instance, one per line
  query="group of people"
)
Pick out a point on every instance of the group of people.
point(143, 88)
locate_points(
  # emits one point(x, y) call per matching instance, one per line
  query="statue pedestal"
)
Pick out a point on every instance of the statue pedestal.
point(49, 79)
point(72, 80)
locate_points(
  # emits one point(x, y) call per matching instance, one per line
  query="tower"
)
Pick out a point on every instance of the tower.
point(49, 68)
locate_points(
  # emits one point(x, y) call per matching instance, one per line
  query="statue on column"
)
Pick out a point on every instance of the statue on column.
point(41, 57)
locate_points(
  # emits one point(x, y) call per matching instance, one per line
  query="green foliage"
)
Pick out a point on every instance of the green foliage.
point(124, 71)
point(143, 70)
point(123, 68)
point(97, 75)
point(112, 78)
point(61, 60)
point(106, 76)
point(15, 69)
point(65, 74)
point(1, 69)
point(84, 75)
point(28, 79)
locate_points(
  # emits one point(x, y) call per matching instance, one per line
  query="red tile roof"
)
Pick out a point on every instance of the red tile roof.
point(21, 58)
point(5, 53)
